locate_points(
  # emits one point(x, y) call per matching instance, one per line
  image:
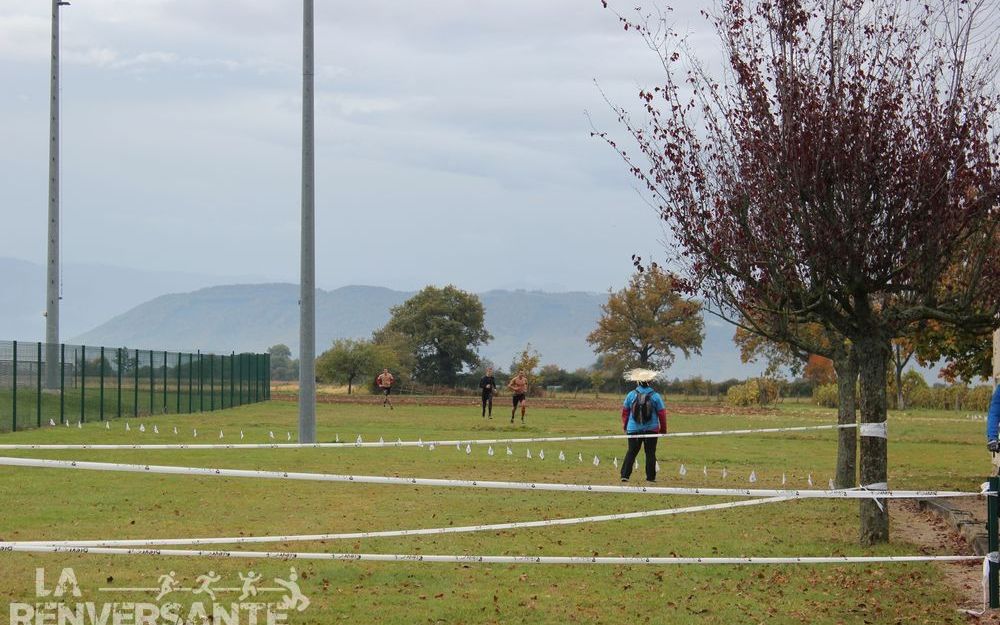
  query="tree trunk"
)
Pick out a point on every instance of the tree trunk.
point(349, 381)
point(846, 367)
point(899, 364)
point(873, 353)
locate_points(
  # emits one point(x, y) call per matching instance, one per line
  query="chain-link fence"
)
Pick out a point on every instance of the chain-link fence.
point(41, 382)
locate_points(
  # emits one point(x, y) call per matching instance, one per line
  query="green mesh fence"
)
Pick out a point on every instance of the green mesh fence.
point(63, 383)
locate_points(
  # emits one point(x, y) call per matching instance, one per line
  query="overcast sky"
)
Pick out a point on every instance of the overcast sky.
point(452, 139)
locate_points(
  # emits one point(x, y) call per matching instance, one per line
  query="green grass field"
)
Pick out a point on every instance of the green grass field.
point(927, 450)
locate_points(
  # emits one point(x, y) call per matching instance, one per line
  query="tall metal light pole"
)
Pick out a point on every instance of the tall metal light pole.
point(52, 270)
point(307, 272)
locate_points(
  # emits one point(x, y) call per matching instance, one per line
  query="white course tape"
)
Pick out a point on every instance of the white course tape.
point(418, 443)
point(466, 559)
point(874, 430)
point(152, 542)
point(437, 482)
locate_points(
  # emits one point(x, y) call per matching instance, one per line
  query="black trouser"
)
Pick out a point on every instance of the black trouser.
point(487, 401)
point(633, 450)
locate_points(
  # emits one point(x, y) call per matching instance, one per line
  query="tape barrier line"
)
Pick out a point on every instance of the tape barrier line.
point(152, 542)
point(490, 484)
point(417, 443)
point(468, 559)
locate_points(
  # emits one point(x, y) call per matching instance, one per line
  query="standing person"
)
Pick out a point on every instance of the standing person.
point(642, 413)
point(489, 386)
point(384, 382)
point(992, 427)
point(519, 387)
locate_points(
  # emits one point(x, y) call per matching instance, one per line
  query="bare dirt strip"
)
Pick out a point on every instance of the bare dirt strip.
point(580, 403)
point(932, 535)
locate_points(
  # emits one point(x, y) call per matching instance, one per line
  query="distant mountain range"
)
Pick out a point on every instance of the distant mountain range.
point(255, 316)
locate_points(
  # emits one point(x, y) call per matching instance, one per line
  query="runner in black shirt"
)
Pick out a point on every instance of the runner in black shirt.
point(489, 386)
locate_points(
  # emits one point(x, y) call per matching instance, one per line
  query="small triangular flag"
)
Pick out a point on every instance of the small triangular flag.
point(704, 471)
point(67, 424)
point(657, 467)
point(541, 454)
point(431, 447)
point(127, 428)
point(221, 435)
point(142, 427)
point(490, 450)
point(241, 434)
point(51, 422)
point(458, 445)
point(107, 425)
point(399, 442)
point(79, 425)
point(597, 461)
point(615, 462)
point(529, 453)
point(809, 478)
point(753, 476)
point(336, 438)
point(562, 456)
point(156, 430)
point(420, 442)
point(832, 487)
point(381, 441)
point(196, 432)
point(579, 457)
point(784, 480)
point(510, 452)
point(288, 436)
point(724, 472)
point(175, 428)
point(356, 442)
point(683, 470)
point(468, 449)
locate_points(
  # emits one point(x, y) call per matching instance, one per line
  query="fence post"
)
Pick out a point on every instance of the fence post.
point(201, 384)
point(164, 382)
point(83, 381)
point(211, 382)
point(190, 383)
point(102, 383)
point(38, 385)
point(178, 382)
point(62, 383)
point(232, 378)
point(992, 532)
point(119, 358)
point(13, 426)
point(135, 390)
point(152, 386)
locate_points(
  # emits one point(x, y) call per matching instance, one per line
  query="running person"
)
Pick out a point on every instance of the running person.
point(489, 386)
point(519, 387)
point(384, 382)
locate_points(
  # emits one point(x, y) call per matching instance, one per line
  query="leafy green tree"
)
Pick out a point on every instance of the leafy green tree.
point(441, 329)
point(349, 359)
point(283, 367)
point(644, 323)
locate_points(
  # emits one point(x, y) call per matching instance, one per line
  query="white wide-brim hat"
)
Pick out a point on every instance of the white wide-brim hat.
point(641, 375)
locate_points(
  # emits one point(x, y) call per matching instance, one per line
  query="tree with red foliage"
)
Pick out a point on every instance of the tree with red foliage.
point(842, 169)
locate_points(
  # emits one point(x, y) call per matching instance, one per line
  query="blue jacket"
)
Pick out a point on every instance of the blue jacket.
point(655, 425)
point(993, 418)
